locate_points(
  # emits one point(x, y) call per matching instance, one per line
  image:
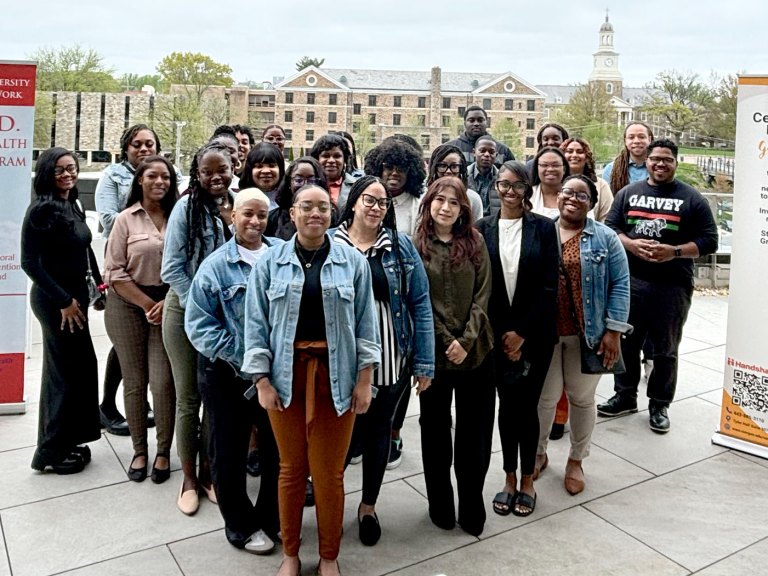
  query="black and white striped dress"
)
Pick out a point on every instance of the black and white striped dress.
point(391, 366)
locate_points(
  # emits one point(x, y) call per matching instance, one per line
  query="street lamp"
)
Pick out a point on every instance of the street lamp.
point(179, 126)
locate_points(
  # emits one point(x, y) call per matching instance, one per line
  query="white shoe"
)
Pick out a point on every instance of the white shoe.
point(647, 369)
point(259, 543)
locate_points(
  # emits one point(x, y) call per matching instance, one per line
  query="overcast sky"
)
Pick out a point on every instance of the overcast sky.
point(544, 42)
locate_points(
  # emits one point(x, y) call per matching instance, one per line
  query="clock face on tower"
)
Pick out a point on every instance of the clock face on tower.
point(609, 61)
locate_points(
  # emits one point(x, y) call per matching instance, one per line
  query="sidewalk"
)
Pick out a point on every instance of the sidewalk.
point(660, 505)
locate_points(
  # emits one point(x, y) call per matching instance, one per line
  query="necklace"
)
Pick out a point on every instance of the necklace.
point(222, 202)
point(298, 253)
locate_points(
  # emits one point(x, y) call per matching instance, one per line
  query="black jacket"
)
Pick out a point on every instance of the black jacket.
point(466, 145)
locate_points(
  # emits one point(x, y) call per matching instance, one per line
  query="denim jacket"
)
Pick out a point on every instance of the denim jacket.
point(112, 192)
point(604, 282)
point(412, 311)
point(214, 318)
point(178, 270)
point(352, 332)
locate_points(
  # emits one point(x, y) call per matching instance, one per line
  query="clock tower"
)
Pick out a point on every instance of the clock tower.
point(605, 67)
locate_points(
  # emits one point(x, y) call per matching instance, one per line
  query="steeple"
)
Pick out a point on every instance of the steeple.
point(605, 68)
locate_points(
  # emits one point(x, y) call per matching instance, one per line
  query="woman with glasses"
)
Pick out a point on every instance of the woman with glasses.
point(56, 255)
point(581, 161)
point(275, 135)
point(593, 301)
point(548, 170)
point(311, 344)
point(306, 170)
point(447, 160)
point(523, 252)
point(401, 297)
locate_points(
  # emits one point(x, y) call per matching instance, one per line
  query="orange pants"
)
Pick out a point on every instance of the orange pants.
point(561, 412)
point(312, 439)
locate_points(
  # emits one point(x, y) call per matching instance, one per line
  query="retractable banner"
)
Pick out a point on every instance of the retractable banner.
point(744, 413)
point(17, 127)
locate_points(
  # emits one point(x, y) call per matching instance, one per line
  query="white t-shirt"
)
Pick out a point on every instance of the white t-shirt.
point(510, 241)
point(252, 256)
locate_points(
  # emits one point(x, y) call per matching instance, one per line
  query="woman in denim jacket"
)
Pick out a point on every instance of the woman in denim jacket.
point(214, 322)
point(594, 300)
point(312, 344)
point(404, 310)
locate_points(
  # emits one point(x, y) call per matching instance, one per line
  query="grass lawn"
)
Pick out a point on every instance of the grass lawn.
point(707, 152)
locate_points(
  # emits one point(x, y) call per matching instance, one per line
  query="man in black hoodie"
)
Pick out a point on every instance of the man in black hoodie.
point(476, 125)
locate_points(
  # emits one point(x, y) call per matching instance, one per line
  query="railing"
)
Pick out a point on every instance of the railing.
point(714, 270)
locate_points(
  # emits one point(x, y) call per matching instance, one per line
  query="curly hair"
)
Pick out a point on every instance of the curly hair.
point(466, 240)
point(130, 133)
point(202, 209)
point(535, 179)
point(523, 175)
point(438, 155)
point(589, 163)
point(396, 153)
point(540, 133)
point(620, 169)
point(137, 193)
point(262, 153)
point(329, 142)
point(246, 130)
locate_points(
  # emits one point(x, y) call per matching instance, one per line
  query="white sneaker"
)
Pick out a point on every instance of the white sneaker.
point(259, 543)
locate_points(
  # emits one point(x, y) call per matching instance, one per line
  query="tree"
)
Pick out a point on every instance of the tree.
point(721, 116)
point(72, 69)
point(306, 62)
point(508, 132)
point(590, 104)
point(680, 100)
point(195, 72)
point(137, 82)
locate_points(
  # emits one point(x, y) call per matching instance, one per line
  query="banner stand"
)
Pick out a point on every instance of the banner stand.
point(740, 445)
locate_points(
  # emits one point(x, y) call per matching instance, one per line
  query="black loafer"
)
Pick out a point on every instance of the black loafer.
point(72, 464)
point(557, 431)
point(659, 419)
point(369, 529)
point(254, 464)
point(117, 425)
point(137, 474)
point(160, 475)
point(84, 452)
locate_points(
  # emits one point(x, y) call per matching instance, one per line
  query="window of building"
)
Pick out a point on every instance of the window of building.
point(421, 120)
point(530, 123)
point(331, 117)
point(397, 101)
point(371, 118)
point(509, 104)
point(446, 102)
point(357, 108)
point(332, 99)
point(531, 105)
point(422, 101)
point(529, 142)
point(310, 97)
point(425, 140)
point(310, 117)
point(396, 119)
point(289, 97)
point(310, 136)
point(446, 121)
point(609, 87)
point(461, 110)
point(445, 138)
point(487, 104)
point(371, 100)
point(288, 133)
point(288, 116)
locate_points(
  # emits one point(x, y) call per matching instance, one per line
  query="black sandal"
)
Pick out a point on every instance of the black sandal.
point(526, 501)
point(503, 502)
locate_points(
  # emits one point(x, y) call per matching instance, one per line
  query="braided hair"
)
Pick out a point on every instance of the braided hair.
point(620, 169)
point(202, 210)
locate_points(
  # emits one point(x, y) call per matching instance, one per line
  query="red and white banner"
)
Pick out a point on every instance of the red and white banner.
point(17, 127)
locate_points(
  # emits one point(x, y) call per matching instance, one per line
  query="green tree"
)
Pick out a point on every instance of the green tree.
point(131, 82)
point(590, 104)
point(720, 121)
point(306, 62)
point(44, 117)
point(680, 100)
point(195, 72)
point(72, 69)
point(605, 140)
point(508, 132)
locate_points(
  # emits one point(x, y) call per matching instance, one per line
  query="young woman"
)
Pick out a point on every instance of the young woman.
point(523, 252)
point(580, 161)
point(549, 168)
point(305, 170)
point(214, 323)
point(265, 170)
point(447, 160)
point(549, 135)
point(112, 190)
point(56, 255)
point(459, 275)
point(312, 343)
point(629, 165)
point(401, 296)
point(593, 300)
point(195, 229)
point(333, 154)
point(352, 167)
point(275, 135)
point(134, 312)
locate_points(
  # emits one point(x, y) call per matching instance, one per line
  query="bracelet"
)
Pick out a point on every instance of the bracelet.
point(102, 287)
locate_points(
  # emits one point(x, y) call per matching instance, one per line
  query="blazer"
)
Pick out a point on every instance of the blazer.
point(533, 312)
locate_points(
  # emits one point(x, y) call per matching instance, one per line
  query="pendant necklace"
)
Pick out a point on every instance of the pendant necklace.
point(306, 264)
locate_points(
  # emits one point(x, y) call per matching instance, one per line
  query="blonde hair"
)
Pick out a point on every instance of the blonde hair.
point(250, 194)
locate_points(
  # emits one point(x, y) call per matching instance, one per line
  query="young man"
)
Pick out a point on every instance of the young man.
point(663, 224)
point(482, 173)
point(476, 125)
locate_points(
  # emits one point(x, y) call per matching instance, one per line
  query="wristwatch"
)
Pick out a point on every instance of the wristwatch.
point(678, 252)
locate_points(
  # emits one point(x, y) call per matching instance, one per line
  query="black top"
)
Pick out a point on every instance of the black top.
point(311, 323)
point(467, 145)
point(378, 278)
point(55, 246)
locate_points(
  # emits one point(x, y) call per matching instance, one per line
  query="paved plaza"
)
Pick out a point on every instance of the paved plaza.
point(657, 505)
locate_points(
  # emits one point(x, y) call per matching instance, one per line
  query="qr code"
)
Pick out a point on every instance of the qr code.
point(750, 390)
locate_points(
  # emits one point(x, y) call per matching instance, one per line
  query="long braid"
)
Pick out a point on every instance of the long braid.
point(620, 169)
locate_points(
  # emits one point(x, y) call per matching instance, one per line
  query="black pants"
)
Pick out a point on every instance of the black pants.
point(658, 313)
point(401, 411)
point(69, 389)
point(372, 436)
point(230, 417)
point(475, 406)
point(519, 386)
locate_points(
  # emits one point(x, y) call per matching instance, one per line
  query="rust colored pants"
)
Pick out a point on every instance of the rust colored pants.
point(561, 413)
point(312, 439)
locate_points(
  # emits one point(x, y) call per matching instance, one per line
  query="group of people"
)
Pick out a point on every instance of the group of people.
point(281, 315)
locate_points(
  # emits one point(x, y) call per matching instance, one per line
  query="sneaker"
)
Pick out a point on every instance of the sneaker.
point(395, 454)
point(659, 419)
point(259, 543)
point(357, 457)
point(617, 405)
point(647, 369)
point(557, 432)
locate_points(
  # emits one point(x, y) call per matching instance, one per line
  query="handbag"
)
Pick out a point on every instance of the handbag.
point(95, 295)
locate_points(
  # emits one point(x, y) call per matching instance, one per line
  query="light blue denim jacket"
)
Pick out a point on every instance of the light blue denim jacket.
point(412, 311)
point(112, 192)
point(352, 332)
point(178, 270)
point(214, 318)
point(604, 282)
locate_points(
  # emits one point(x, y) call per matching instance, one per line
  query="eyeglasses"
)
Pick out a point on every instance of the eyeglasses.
point(71, 169)
point(442, 168)
point(661, 160)
point(548, 165)
point(504, 186)
point(370, 201)
point(300, 181)
point(571, 193)
point(307, 207)
point(273, 139)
